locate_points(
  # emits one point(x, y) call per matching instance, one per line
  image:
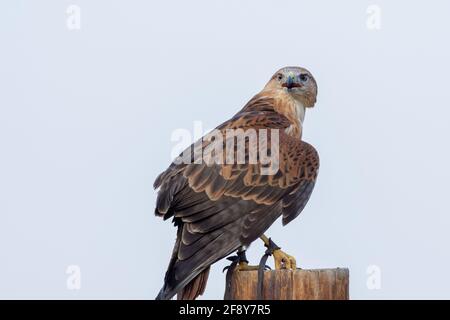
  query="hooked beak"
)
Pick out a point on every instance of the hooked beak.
point(291, 81)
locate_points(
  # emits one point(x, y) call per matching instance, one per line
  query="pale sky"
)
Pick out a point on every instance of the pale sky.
point(87, 115)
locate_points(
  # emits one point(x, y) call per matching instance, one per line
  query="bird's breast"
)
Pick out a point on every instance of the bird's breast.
point(294, 111)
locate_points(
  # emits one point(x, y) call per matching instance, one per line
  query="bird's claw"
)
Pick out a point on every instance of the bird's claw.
point(246, 267)
point(282, 260)
point(234, 260)
point(240, 263)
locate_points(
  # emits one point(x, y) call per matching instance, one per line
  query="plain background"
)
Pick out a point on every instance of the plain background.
point(86, 118)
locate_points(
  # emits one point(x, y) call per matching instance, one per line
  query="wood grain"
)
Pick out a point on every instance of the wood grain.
point(317, 284)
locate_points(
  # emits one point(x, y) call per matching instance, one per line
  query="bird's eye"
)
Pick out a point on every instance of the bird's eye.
point(279, 77)
point(304, 77)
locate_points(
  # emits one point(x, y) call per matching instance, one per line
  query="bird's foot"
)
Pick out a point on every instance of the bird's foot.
point(243, 263)
point(244, 266)
point(282, 259)
point(240, 263)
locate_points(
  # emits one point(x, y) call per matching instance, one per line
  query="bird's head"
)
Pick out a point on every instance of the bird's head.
point(297, 82)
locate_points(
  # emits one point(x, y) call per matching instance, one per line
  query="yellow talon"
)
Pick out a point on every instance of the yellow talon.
point(282, 259)
point(244, 266)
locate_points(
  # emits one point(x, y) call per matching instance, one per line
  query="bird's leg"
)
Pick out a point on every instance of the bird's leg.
point(282, 259)
point(243, 262)
point(239, 262)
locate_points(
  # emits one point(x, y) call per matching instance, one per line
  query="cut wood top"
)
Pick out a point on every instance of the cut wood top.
point(300, 284)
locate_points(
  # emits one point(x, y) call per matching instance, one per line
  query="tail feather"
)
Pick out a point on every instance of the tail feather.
point(194, 289)
point(190, 287)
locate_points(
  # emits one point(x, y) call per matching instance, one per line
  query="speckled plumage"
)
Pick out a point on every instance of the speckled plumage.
point(219, 208)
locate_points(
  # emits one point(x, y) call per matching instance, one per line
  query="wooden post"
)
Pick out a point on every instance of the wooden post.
point(320, 284)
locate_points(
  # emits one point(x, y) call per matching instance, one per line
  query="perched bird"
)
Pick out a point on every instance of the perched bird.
point(220, 207)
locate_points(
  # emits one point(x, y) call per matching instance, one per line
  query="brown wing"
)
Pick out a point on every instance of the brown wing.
point(221, 207)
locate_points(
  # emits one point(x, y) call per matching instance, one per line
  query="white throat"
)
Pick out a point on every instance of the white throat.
point(300, 111)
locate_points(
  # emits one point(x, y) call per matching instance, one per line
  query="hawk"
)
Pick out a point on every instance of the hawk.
point(220, 206)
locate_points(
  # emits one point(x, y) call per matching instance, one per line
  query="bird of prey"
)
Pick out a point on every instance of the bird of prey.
point(221, 207)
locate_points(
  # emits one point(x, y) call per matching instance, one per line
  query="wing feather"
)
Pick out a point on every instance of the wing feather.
point(221, 207)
